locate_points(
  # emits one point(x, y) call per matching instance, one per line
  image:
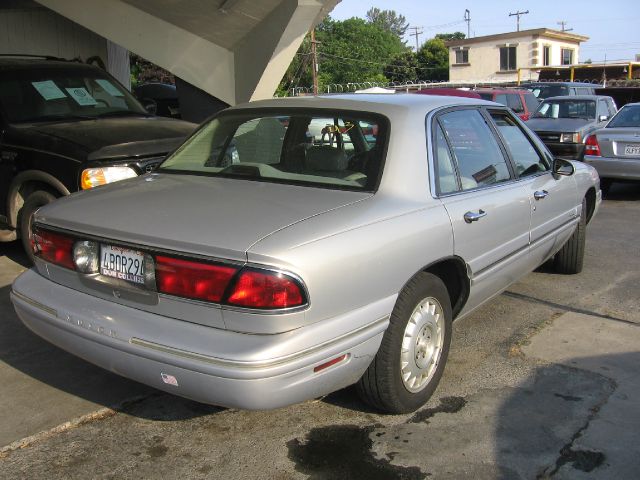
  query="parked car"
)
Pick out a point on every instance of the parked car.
point(521, 101)
point(67, 126)
point(544, 90)
point(299, 270)
point(451, 92)
point(614, 151)
point(563, 123)
point(159, 98)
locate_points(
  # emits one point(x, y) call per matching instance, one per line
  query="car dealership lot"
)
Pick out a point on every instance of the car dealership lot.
point(537, 384)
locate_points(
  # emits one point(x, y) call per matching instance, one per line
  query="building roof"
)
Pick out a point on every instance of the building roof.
point(539, 32)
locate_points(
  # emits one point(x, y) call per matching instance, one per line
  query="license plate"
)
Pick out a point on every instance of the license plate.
point(122, 263)
point(632, 150)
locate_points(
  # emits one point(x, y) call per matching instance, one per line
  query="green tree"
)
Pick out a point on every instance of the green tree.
point(388, 20)
point(451, 36)
point(403, 67)
point(352, 50)
point(433, 60)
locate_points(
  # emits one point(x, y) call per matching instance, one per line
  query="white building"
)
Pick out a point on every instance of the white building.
point(513, 56)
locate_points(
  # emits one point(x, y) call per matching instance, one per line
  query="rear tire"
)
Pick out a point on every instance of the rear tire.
point(570, 258)
point(33, 202)
point(407, 368)
point(605, 185)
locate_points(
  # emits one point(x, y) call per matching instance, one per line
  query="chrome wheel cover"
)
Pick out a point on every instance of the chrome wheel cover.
point(422, 344)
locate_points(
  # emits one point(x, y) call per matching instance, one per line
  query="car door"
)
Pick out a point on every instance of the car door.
point(552, 199)
point(489, 211)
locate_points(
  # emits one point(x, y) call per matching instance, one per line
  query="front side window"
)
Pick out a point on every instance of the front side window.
point(47, 94)
point(462, 55)
point(507, 58)
point(514, 102)
point(322, 149)
point(475, 149)
point(526, 158)
point(567, 56)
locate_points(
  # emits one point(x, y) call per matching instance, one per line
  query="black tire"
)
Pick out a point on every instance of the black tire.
point(33, 202)
point(382, 385)
point(570, 258)
point(605, 185)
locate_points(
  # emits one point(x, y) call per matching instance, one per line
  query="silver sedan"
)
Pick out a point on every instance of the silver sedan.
point(263, 264)
point(614, 150)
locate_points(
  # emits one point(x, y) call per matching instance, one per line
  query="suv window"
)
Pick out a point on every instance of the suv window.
point(476, 152)
point(514, 102)
point(526, 158)
point(531, 101)
point(299, 147)
point(32, 95)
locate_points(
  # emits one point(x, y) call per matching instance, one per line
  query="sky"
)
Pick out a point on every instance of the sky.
point(613, 26)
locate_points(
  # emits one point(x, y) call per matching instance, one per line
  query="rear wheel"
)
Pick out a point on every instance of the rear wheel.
point(570, 258)
point(33, 202)
point(605, 185)
point(407, 368)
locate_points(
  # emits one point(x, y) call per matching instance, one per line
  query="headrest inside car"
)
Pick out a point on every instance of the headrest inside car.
point(326, 158)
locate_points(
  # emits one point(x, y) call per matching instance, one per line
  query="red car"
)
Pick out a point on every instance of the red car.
point(521, 101)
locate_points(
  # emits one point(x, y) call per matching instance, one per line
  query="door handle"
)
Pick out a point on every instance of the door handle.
point(540, 194)
point(474, 217)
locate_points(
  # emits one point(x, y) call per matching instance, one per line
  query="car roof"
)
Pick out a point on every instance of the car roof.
point(453, 92)
point(577, 97)
point(374, 102)
point(568, 84)
point(502, 90)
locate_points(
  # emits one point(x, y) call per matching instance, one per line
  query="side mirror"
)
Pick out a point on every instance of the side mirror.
point(150, 105)
point(603, 118)
point(563, 167)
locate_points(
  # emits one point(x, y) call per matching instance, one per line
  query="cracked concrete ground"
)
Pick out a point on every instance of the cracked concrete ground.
point(540, 383)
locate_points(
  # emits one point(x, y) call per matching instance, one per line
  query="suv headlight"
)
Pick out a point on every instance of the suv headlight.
point(94, 177)
point(570, 138)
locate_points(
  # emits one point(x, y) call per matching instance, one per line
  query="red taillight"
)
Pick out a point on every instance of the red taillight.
point(524, 117)
point(591, 146)
point(186, 278)
point(256, 289)
point(53, 247)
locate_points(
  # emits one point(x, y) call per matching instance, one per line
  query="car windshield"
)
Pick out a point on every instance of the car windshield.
point(585, 109)
point(546, 91)
point(50, 94)
point(626, 117)
point(320, 148)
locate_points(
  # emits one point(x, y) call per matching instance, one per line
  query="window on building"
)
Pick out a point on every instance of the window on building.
point(567, 56)
point(462, 55)
point(507, 58)
point(546, 55)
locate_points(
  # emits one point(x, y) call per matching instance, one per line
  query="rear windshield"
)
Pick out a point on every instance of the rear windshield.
point(49, 94)
point(626, 117)
point(546, 91)
point(321, 148)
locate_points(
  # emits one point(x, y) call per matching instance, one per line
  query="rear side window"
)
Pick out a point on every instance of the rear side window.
point(321, 148)
point(525, 157)
point(531, 101)
point(474, 148)
point(514, 102)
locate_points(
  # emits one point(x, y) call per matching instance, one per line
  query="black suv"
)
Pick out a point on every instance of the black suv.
point(67, 126)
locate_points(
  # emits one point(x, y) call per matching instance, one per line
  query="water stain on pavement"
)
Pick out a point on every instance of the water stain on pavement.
point(447, 405)
point(344, 451)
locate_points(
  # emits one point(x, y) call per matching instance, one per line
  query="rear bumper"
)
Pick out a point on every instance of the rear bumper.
point(263, 372)
point(615, 167)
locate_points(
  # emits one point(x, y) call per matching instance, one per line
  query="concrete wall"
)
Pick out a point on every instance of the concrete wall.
point(484, 59)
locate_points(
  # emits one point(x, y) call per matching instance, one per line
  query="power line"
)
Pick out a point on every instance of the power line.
point(563, 24)
point(518, 14)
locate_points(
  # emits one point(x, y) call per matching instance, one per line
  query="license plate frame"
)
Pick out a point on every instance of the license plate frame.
point(122, 263)
point(632, 150)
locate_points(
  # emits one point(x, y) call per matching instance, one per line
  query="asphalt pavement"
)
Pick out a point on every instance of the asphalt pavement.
point(541, 382)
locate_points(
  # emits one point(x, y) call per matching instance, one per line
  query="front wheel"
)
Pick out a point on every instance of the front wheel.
point(33, 202)
point(407, 368)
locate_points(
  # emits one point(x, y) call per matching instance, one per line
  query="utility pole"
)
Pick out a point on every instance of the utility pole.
point(416, 34)
point(467, 18)
point(563, 24)
point(314, 61)
point(518, 14)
